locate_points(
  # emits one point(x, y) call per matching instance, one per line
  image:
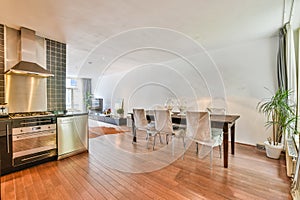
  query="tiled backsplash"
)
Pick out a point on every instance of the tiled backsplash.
point(56, 86)
point(2, 86)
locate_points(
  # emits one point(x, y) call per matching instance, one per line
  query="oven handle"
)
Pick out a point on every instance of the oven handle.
point(24, 123)
point(7, 138)
point(33, 157)
point(31, 135)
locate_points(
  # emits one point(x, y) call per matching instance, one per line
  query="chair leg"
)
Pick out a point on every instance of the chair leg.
point(147, 144)
point(154, 141)
point(160, 139)
point(173, 143)
point(167, 138)
point(197, 150)
point(220, 150)
point(183, 147)
point(211, 157)
point(200, 149)
point(147, 141)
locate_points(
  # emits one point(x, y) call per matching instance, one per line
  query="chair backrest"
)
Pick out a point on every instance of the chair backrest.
point(220, 111)
point(140, 120)
point(198, 125)
point(163, 121)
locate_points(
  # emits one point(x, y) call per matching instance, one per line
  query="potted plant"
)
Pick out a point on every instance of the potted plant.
point(88, 100)
point(281, 116)
point(120, 111)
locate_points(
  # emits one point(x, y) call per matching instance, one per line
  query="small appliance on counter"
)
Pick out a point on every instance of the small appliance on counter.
point(3, 110)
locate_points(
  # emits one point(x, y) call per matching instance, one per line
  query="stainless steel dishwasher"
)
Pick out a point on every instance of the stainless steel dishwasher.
point(72, 135)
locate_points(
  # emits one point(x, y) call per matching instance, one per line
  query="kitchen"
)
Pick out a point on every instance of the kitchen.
point(34, 125)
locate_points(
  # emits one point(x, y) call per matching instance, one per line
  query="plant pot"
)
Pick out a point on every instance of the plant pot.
point(273, 151)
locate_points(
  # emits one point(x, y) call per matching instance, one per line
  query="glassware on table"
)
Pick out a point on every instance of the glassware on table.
point(169, 104)
point(182, 105)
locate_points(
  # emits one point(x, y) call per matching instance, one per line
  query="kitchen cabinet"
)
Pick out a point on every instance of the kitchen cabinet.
point(5, 146)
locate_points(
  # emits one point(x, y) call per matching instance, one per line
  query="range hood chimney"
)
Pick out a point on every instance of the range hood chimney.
point(28, 65)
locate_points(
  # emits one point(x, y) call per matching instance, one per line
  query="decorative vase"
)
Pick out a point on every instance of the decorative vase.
point(273, 151)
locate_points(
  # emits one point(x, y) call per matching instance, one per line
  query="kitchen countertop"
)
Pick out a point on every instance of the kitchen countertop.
point(70, 114)
point(3, 118)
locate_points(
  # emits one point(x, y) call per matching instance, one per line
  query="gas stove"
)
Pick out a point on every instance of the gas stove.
point(30, 114)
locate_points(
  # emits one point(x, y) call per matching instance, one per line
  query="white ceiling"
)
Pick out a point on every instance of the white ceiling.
point(83, 25)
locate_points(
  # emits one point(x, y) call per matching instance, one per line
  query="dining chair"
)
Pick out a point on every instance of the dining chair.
point(199, 130)
point(217, 133)
point(141, 123)
point(163, 124)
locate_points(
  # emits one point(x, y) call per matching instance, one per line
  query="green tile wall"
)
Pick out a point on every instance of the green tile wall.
point(2, 86)
point(56, 86)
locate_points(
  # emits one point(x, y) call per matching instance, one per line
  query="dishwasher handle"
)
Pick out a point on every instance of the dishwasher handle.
point(65, 120)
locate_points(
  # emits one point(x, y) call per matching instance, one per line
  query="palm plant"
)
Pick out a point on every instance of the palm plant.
point(88, 100)
point(280, 115)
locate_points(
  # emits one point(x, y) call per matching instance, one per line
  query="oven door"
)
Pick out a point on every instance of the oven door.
point(31, 147)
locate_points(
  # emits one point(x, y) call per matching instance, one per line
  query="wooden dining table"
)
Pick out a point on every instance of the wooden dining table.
point(225, 122)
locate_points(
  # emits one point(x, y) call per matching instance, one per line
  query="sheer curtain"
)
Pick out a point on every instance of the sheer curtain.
point(291, 63)
point(293, 83)
point(281, 60)
point(287, 71)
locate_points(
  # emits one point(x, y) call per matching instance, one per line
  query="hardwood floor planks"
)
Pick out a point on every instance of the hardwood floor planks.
point(41, 186)
point(77, 181)
point(66, 187)
point(90, 178)
point(85, 176)
point(127, 190)
point(9, 188)
point(128, 181)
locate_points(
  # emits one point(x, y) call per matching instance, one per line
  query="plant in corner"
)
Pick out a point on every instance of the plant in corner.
point(281, 117)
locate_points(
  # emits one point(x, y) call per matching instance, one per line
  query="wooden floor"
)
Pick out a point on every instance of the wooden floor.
point(92, 176)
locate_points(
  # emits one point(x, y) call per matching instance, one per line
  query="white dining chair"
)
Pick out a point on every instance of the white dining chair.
point(141, 123)
point(217, 133)
point(163, 124)
point(199, 130)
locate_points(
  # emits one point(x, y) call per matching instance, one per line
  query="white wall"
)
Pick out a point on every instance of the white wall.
point(236, 74)
point(247, 70)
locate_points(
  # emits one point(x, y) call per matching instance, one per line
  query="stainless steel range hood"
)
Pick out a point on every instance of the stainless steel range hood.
point(29, 68)
point(28, 65)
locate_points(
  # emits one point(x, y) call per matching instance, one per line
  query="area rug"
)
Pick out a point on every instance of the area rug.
point(102, 130)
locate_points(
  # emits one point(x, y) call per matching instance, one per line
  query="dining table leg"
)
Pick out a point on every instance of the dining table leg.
point(232, 134)
point(133, 129)
point(225, 144)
